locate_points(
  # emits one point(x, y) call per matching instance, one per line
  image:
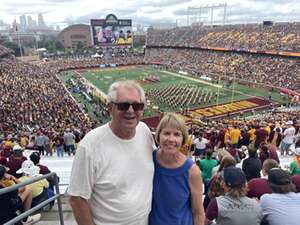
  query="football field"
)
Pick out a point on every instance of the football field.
point(168, 91)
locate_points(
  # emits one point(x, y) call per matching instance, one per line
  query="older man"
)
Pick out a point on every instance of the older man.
point(111, 179)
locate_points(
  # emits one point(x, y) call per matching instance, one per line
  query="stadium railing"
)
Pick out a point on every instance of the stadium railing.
point(39, 206)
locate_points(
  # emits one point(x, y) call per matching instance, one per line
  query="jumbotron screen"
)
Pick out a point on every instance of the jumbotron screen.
point(111, 31)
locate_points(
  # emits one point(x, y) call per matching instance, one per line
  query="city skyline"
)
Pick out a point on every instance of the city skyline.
point(149, 12)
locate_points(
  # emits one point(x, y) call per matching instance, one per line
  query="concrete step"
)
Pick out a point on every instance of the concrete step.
point(53, 214)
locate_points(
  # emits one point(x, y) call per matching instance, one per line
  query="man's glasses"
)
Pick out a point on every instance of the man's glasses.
point(124, 106)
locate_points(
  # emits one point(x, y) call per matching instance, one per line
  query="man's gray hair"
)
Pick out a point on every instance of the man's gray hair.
point(130, 84)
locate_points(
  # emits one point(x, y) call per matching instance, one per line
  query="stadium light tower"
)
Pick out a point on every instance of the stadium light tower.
point(194, 11)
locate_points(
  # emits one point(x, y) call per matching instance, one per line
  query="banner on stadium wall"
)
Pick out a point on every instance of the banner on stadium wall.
point(102, 65)
point(111, 31)
point(113, 65)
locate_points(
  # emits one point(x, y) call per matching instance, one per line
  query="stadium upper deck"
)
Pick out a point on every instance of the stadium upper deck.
point(279, 37)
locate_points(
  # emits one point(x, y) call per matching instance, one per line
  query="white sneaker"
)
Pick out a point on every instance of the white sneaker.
point(32, 219)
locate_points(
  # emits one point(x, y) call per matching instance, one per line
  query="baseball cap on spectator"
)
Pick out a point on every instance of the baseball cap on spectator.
point(279, 176)
point(297, 151)
point(17, 151)
point(234, 177)
point(17, 147)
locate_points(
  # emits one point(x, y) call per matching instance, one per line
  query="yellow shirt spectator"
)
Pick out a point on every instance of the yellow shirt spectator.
point(234, 135)
point(37, 187)
point(251, 134)
point(185, 149)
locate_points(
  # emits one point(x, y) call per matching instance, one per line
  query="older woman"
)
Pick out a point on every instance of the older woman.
point(177, 185)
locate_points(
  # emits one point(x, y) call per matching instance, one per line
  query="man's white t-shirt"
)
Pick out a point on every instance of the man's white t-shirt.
point(289, 135)
point(115, 176)
point(200, 144)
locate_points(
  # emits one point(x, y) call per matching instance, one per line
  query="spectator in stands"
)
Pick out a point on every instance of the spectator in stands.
point(263, 153)
point(275, 137)
point(39, 188)
point(252, 165)
point(272, 150)
point(15, 161)
point(221, 153)
point(186, 148)
point(296, 181)
point(177, 186)
point(234, 134)
point(216, 188)
point(35, 158)
point(294, 167)
point(200, 145)
point(261, 136)
point(69, 140)
point(16, 200)
point(282, 206)
point(40, 142)
point(206, 166)
point(259, 186)
point(99, 182)
point(288, 138)
point(59, 144)
point(234, 208)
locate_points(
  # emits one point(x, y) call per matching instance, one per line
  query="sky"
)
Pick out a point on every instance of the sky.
point(150, 12)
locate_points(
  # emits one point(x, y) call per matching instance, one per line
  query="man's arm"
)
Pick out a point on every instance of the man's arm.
point(196, 188)
point(81, 210)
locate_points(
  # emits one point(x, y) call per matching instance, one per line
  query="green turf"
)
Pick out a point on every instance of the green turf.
point(102, 78)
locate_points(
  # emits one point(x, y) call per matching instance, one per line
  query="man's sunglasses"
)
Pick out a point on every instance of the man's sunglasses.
point(124, 106)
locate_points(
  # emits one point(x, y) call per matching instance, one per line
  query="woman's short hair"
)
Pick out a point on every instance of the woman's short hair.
point(175, 121)
point(112, 95)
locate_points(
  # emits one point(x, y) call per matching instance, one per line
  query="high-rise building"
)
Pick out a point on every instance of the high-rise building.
point(29, 22)
point(15, 26)
point(23, 23)
point(41, 22)
point(34, 23)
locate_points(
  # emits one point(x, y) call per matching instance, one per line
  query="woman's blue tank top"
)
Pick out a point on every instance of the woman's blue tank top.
point(171, 204)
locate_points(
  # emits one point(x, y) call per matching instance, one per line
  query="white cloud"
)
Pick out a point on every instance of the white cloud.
point(142, 11)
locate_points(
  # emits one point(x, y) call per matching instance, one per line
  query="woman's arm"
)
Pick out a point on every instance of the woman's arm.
point(196, 187)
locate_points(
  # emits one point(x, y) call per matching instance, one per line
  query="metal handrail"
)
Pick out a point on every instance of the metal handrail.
point(42, 204)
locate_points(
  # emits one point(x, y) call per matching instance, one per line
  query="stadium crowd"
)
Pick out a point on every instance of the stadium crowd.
point(32, 97)
point(5, 51)
point(252, 143)
point(267, 70)
point(79, 63)
point(278, 37)
point(37, 112)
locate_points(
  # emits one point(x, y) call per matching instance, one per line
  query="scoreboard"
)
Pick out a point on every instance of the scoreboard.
point(111, 31)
